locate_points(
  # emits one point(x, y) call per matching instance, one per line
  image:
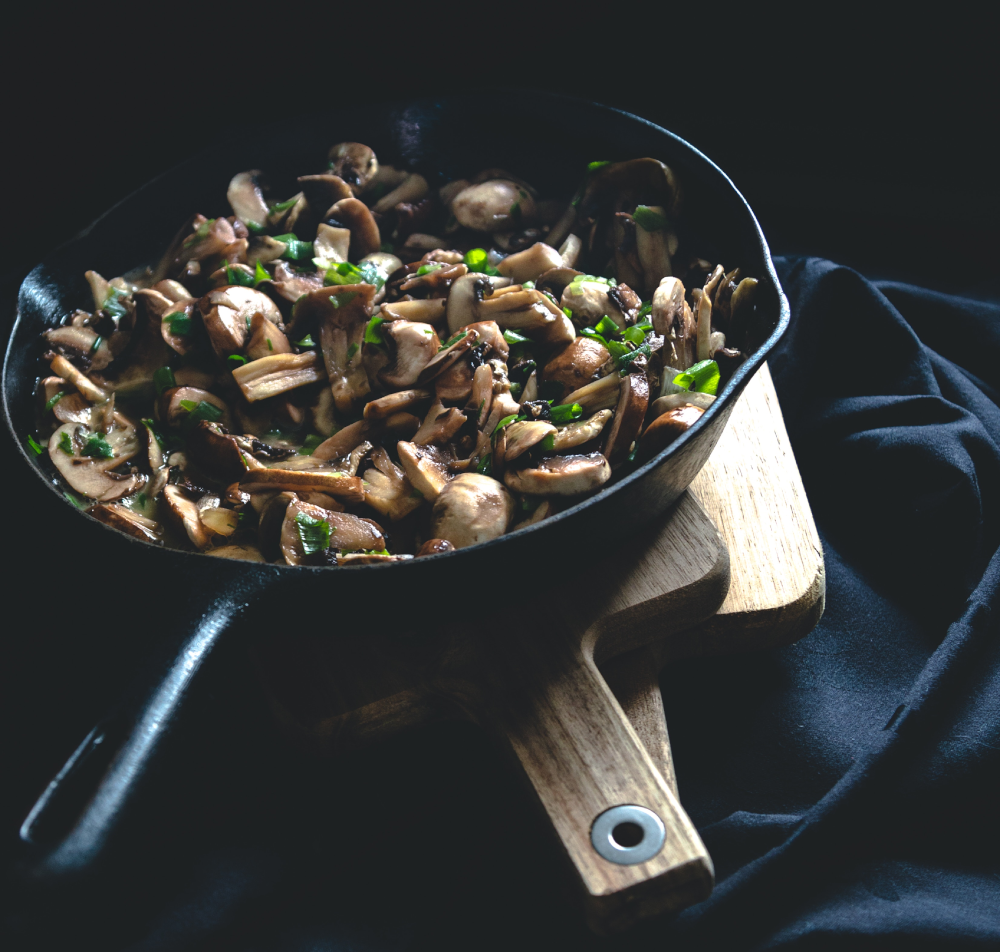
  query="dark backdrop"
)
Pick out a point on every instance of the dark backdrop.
point(865, 141)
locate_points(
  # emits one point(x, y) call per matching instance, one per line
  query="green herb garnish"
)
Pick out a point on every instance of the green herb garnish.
point(237, 360)
point(548, 444)
point(309, 444)
point(626, 359)
point(373, 334)
point(351, 351)
point(428, 269)
point(649, 220)
point(594, 166)
point(607, 327)
point(97, 343)
point(97, 447)
point(112, 304)
point(284, 206)
point(52, 401)
point(528, 285)
point(66, 444)
point(306, 341)
point(485, 465)
point(452, 340)
point(76, 501)
point(260, 274)
point(202, 410)
point(565, 413)
point(479, 260)
point(513, 337)
point(37, 447)
point(511, 418)
point(240, 277)
point(339, 300)
point(163, 380)
point(151, 426)
point(313, 533)
point(180, 323)
point(703, 377)
point(637, 333)
point(295, 250)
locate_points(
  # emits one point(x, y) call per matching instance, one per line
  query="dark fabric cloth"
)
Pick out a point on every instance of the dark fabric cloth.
point(846, 786)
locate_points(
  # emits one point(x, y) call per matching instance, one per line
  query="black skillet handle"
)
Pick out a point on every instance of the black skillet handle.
point(69, 829)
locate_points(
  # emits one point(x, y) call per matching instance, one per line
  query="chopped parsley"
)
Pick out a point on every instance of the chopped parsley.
point(237, 360)
point(66, 444)
point(565, 412)
point(306, 341)
point(428, 269)
point(284, 206)
point(485, 465)
point(97, 447)
point(649, 220)
point(373, 333)
point(240, 277)
point(313, 533)
point(594, 166)
point(260, 274)
point(163, 379)
point(351, 351)
point(53, 400)
point(295, 250)
point(37, 447)
point(180, 323)
point(479, 260)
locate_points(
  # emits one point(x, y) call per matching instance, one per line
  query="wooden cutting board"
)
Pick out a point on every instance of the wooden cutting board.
point(735, 566)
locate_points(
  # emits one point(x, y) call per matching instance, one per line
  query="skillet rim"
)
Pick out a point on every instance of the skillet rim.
point(729, 395)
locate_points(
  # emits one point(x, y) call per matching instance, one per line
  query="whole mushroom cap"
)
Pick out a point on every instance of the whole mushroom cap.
point(472, 508)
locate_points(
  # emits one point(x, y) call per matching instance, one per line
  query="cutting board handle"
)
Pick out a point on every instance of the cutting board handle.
point(590, 771)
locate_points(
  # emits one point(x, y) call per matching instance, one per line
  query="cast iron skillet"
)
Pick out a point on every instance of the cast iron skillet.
point(555, 138)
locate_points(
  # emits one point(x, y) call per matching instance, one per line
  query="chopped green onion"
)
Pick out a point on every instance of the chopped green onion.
point(373, 335)
point(260, 274)
point(548, 444)
point(528, 285)
point(351, 351)
point(645, 310)
point(151, 426)
point(477, 259)
point(309, 444)
point(313, 533)
point(637, 334)
point(113, 305)
point(703, 377)
point(649, 220)
point(593, 335)
point(568, 313)
point(180, 323)
point(513, 337)
point(635, 449)
point(625, 360)
point(206, 411)
point(607, 327)
point(240, 277)
point(452, 340)
point(343, 273)
point(270, 346)
point(97, 447)
point(506, 420)
point(66, 444)
point(617, 349)
point(295, 250)
point(163, 379)
point(284, 206)
point(594, 166)
point(565, 413)
point(188, 405)
point(371, 273)
point(485, 465)
point(339, 300)
point(76, 501)
point(254, 228)
point(306, 341)
point(428, 269)
point(202, 232)
point(52, 401)
point(37, 447)
point(97, 343)
point(237, 360)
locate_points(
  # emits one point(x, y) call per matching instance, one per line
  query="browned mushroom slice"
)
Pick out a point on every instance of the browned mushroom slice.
point(342, 305)
point(91, 475)
point(472, 508)
point(523, 435)
point(600, 395)
point(392, 403)
point(527, 265)
point(673, 319)
point(387, 490)
point(187, 515)
point(423, 311)
point(219, 521)
point(449, 355)
point(247, 199)
point(589, 301)
point(171, 409)
point(265, 339)
point(440, 425)
point(227, 313)
point(655, 242)
point(455, 383)
point(576, 434)
point(434, 547)
point(561, 475)
point(61, 367)
point(80, 343)
point(426, 467)
point(411, 347)
point(542, 511)
point(667, 427)
point(217, 453)
point(269, 376)
point(637, 180)
point(672, 401)
point(702, 308)
point(125, 520)
point(515, 308)
point(332, 244)
point(69, 407)
point(355, 214)
point(633, 400)
point(577, 363)
point(343, 441)
point(465, 295)
point(322, 191)
point(355, 163)
point(336, 484)
point(492, 206)
point(263, 249)
point(245, 553)
point(412, 189)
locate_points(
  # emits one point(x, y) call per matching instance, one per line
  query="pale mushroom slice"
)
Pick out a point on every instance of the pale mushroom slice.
point(421, 311)
point(590, 301)
point(517, 308)
point(633, 401)
point(387, 489)
point(411, 347)
point(265, 339)
point(280, 373)
point(472, 508)
point(440, 424)
point(245, 553)
point(493, 206)
point(186, 513)
point(247, 200)
point(673, 319)
point(303, 534)
point(672, 401)
point(703, 317)
point(173, 405)
point(92, 475)
point(332, 482)
point(655, 242)
point(217, 453)
point(561, 475)
point(355, 163)
point(356, 216)
point(426, 467)
point(391, 403)
point(580, 432)
point(131, 523)
point(527, 265)
point(412, 189)
point(61, 367)
point(80, 343)
point(465, 295)
point(343, 441)
point(600, 395)
point(332, 244)
point(523, 435)
point(569, 251)
point(227, 313)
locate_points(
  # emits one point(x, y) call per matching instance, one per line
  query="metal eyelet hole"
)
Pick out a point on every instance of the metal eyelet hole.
point(628, 834)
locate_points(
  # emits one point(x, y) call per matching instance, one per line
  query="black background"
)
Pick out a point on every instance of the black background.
point(867, 141)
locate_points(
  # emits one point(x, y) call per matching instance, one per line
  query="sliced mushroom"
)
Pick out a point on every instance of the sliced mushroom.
point(523, 435)
point(131, 523)
point(589, 302)
point(187, 515)
point(580, 432)
point(332, 244)
point(70, 407)
point(569, 251)
point(424, 311)
point(219, 521)
point(542, 511)
point(355, 214)
point(577, 364)
point(440, 425)
point(454, 384)
point(264, 249)
point(265, 339)
point(667, 427)
point(269, 376)
point(472, 508)
point(217, 453)
point(336, 484)
point(426, 467)
point(169, 407)
point(496, 205)
point(600, 395)
point(673, 319)
point(449, 355)
point(527, 265)
point(227, 313)
point(245, 553)
point(93, 476)
point(465, 295)
point(247, 199)
point(61, 367)
point(518, 309)
point(561, 476)
point(703, 316)
point(637, 180)
point(343, 441)
point(355, 163)
point(434, 547)
point(342, 305)
point(672, 401)
point(80, 343)
point(392, 403)
point(742, 305)
point(412, 189)
point(387, 489)
point(633, 400)
point(345, 531)
point(411, 346)
point(654, 248)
